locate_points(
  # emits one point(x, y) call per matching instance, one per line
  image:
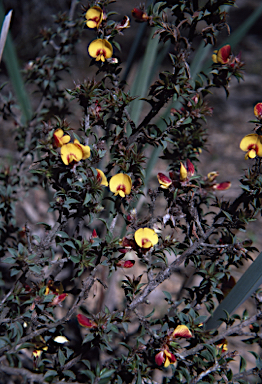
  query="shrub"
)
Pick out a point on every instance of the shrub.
point(64, 318)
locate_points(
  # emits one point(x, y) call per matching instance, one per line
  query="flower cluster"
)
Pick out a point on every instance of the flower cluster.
point(101, 49)
point(165, 356)
point(120, 184)
point(186, 171)
point(70, 152)
point(224, 56)
point(252, 143)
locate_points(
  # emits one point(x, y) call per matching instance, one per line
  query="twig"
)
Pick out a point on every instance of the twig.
point(163, 275)
point(113, 224)
point(27, 231)
point(205, 373)
point(33, 377)
point(87, 285)
point(252, 371)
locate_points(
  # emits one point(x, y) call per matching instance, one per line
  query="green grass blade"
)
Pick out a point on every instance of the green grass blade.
point(247, 284)
point(12, 66)
point(144, 73)
point(4, 32)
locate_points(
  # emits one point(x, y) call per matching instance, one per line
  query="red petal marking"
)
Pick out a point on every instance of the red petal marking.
point(69, 157)
point(253, 146)
point(121, 187)
point(56, 141)
point(100, 52)
point(144, 241)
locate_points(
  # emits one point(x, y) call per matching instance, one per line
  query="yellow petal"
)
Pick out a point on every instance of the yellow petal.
point(183, 172)
point(70, 152)
point(167, 362)
point(102, 177)
point(214, 57)
point(84, 148)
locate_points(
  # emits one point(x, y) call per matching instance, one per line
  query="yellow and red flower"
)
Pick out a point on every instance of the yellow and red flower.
point(252, 145)
point(94, 17)
point(181, 331)
point(120, 184)
point(85, 321)
point(70, 152)
point(59, 139)
point(164, 180)
point(258, 110)
point(222, 55)
point(101, 177)
point(100, 49)
point(74, 152)
point(165, 356)
point(146, 237)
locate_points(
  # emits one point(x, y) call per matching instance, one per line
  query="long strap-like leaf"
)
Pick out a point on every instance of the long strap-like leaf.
point(13, 69)
point(246, 285)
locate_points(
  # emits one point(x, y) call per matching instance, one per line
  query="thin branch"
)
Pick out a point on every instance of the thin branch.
point(243, 375)
point(87, 285)
point(205, 373)
point(33, 377)
point(236, 329)
point(163, 275)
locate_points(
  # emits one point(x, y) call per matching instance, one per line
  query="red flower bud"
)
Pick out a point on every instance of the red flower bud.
point(190, 168)
point(160, 358)
point(125, 263)
point(85, 321)
point(222, 186)
point(58, 299)
point(94, 234)
point(258, 110)
point(139, 14)
point(164, 180)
